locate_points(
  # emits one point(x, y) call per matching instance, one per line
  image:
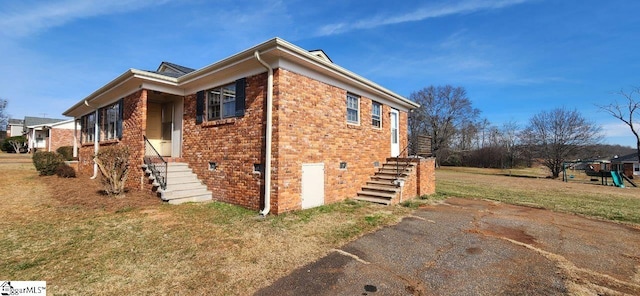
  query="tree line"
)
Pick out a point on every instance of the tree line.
point(460, 137)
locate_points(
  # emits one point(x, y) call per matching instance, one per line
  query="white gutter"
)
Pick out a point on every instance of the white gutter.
point(75, 137)
point(269, 132)
point(96, 131)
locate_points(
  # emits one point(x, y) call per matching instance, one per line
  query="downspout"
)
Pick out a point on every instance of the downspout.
point(95, 141)
point(269, 132)
point(75, 137)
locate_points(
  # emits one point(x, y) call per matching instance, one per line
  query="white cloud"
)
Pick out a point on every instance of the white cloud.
point(22, 18)
point(434, 11)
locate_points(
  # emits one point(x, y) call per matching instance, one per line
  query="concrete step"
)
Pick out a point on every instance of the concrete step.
point(381, 177)
point(392, 165)
point(172, 180)
point(382, 183)
point(372, 193)
point(394, 172)
point(185, 186)
point(181, 174)
point(383, 201)
point(178, 168)
point(381, 189)
point(173, 194)
point(198, 198)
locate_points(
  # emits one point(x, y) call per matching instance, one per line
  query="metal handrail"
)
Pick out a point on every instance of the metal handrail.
point(155, 163)
point(405, 153)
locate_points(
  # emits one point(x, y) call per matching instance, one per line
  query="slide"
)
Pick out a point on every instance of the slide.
point(617, 179)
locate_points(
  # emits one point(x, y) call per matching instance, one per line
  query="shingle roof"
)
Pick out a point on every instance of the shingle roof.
point(16, 121)
point(182, 69)
point(170, 74)
point(626, 158)
point(172, 70)
point(29, 121)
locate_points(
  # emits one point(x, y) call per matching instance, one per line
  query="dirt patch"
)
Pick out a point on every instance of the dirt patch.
point(86, 193)
point(518, 235)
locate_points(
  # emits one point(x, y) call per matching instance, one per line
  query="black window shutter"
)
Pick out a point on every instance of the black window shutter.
point(241, 85)
point(199, 106)
point(120, 118)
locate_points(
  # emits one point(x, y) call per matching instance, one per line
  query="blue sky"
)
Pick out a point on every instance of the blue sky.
point(514, 57)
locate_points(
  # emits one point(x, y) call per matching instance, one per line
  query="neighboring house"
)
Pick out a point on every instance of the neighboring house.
point(53, 135)
point(273, 116)
point(48, 134)
point(627, 164)
point(15, 127)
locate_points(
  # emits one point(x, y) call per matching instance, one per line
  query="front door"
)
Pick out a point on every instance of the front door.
point(160, 127)
point(395, 134)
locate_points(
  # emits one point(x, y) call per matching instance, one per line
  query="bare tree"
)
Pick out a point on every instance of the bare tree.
point(625, 111)
point(558, 135)
point(443, 111)
point(17, 143)
point(510, 141)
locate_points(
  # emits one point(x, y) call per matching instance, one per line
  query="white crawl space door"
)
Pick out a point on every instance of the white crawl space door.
point(312, 185)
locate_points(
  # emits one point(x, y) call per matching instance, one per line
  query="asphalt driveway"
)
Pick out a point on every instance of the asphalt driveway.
point(474, 247)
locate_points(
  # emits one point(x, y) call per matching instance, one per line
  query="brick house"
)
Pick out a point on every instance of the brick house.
point(49, 136)
point(273, 116)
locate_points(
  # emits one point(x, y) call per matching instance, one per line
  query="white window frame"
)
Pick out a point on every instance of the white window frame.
point(221, 97)
point(356, 108)
point(374, 115)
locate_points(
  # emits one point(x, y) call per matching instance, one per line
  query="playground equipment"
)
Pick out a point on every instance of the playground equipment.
point(586, 171)
point(617, 179)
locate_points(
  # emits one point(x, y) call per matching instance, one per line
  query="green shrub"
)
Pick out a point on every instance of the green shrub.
point(47, 162)
point(66, 152)
point(65, 171)
point(113, 162)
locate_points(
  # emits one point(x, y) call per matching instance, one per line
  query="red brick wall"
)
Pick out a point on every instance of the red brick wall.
point(133, 127)
point(421, 182)
point(60, 137)
point(426, 177)
point(311, 127)
point(234, 144)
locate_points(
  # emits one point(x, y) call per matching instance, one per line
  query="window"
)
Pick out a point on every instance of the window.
point(109, 121)
point(353, 108)
point(221, 102)
point(110, 117)
point(376, 112)
point(88, 127)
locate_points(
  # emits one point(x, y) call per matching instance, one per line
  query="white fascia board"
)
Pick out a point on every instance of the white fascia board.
point(114, 91)
point(305, 56)
point(352, 87)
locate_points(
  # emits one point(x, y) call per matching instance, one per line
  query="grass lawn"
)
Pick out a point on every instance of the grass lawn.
point(608, 202)
point(83, 243)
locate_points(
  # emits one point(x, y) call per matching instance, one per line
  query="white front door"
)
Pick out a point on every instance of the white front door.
point(312, 185)
point(395, 134)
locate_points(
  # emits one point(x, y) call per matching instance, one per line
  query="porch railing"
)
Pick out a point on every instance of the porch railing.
point(419, 147)
point(155, 163)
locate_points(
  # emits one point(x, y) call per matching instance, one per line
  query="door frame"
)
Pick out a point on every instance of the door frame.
point(394, 125)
